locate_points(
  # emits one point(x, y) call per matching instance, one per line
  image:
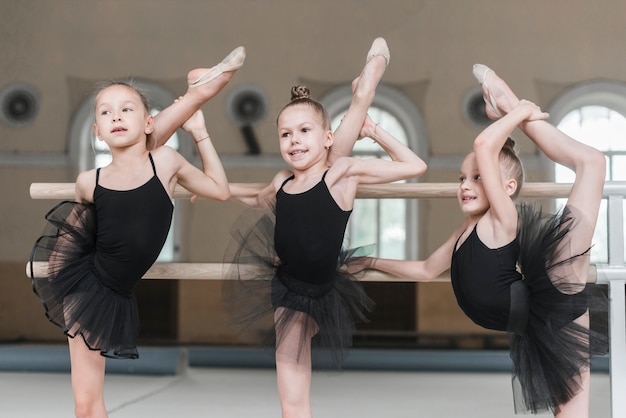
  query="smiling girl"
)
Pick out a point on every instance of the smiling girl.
point(309, 300)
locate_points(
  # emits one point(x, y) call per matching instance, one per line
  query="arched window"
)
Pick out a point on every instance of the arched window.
point(391, 224)
point(89, 152)
point(594, 113)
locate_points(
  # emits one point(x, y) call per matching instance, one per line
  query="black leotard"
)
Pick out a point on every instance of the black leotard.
point(539, 305)
point(132, 228)
point(309, 232)
point(482, 278)
point(305, 239)
point(96, 254)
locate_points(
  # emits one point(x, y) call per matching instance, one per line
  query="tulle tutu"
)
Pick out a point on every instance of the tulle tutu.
point(74, 296)
point(549, 353)
point(265, 302)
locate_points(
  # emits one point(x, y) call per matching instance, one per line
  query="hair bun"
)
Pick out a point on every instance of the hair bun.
point(300, 92)
point(509, 144)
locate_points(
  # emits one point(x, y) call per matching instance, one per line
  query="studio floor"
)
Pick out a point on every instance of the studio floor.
point(211, 392)
point(225, 392)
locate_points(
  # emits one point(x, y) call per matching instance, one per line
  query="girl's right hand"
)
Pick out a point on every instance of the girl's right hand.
point(368, 130)
point(195, 123)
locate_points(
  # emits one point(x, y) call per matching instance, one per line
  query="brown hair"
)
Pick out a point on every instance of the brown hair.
point(301, 94)
point(511, 165)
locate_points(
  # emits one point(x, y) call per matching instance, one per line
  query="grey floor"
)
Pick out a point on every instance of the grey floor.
point(251, 392)
point(208, 392)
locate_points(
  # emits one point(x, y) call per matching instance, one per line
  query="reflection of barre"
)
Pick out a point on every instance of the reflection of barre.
point(215, 271)
point(381, 191)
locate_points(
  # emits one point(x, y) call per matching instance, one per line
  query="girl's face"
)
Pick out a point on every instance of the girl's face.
point(121, 117)
point(304, 141)
point(471, 194)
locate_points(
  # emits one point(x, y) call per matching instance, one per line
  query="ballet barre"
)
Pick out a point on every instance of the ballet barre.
point(612, 273)
point(215, 271)
point(371, 191)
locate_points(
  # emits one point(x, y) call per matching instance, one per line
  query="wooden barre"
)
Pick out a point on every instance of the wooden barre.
point(380, 191)
point(211, 271)
point(214, 271)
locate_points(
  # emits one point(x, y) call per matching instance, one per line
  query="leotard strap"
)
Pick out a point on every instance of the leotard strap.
point(286, 180)
point(152, 162)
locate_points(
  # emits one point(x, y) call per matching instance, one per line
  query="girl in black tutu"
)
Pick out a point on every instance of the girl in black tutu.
point(98, 247)
point(545, 304)
point(293, 266)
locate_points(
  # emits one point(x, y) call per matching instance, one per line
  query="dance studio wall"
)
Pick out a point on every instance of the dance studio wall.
point(59, 47)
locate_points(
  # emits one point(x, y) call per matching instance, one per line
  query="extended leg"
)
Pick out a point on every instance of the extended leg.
point(587, 162)
point(203, 84)
point(364, 90)
point(584, 203)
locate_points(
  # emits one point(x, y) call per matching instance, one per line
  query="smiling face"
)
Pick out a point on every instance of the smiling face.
point(304, 140)
point(471, 194)
point(122, 118)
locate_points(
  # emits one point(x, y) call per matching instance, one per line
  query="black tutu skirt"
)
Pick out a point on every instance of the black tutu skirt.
point(74, 297)
point(265, 303)
point(548, 348)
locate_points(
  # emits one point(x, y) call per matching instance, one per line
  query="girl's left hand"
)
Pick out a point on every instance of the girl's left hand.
point(535, 112)
point(357, 264)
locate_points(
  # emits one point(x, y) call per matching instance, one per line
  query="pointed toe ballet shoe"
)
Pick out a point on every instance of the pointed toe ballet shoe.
point(379, 49)
point(480, 74)
point(232, 62)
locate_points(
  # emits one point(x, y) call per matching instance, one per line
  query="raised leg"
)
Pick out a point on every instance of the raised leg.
point(583, 201)
point(499, 98)
point(587, 162)
point(204, 84)
point(364, 90)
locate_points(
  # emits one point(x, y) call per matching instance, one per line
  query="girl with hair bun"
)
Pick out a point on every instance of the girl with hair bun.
point(309, 302)
point(545, 302)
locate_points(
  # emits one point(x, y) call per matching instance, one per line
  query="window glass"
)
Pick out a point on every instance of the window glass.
point(378, 221)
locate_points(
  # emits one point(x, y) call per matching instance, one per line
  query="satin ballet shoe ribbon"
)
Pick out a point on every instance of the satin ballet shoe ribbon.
point(232, 62)
point(480, 74)
point(379, 48)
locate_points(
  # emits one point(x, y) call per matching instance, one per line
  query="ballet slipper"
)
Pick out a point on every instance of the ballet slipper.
point(480, 73)
point(379, 49)
point(232, 62)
